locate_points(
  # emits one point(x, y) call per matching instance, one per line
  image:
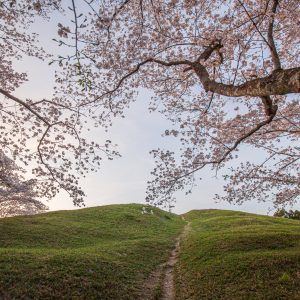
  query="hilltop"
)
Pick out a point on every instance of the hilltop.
point(119, 252)
point(236, 255)
point(102, 253)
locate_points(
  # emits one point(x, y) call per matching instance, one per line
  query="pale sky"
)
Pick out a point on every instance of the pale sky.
point(124, 180)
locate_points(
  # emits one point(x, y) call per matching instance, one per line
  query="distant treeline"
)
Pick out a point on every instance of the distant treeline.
point(291, 214)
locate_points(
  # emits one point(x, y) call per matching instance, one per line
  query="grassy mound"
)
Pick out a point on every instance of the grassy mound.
point(94, 253)
point(235, 255)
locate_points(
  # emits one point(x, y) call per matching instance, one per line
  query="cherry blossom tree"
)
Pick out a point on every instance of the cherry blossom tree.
point(226, 73)
point(46, 135)
point(17, 195)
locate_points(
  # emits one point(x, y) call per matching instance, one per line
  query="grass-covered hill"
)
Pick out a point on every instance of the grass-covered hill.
point(110, 252)
point(94, 253)
point(235, 255)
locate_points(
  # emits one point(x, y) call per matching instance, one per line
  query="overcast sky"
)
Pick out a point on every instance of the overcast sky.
point(124, 180)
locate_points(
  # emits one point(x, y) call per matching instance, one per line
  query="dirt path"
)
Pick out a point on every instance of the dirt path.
point(160, 284)
point(168, 286)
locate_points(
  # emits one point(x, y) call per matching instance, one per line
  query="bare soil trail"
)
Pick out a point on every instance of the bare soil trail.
point(168, 287)
point(161, 284)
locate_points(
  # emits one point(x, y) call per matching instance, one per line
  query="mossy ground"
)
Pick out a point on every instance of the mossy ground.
point(235, 255)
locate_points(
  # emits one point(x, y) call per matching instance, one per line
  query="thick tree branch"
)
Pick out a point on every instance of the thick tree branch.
point(214, 46)
point(270, 108)
point(271, 43)
point(270, 39)
point(205, 55)
point(280, 82)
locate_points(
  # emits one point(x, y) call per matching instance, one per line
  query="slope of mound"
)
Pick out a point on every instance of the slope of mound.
point(94, 253)
point(235, 255)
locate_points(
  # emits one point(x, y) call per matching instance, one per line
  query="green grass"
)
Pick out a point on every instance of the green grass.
point(235, 255)
point(108, 253)
point(94, 253)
